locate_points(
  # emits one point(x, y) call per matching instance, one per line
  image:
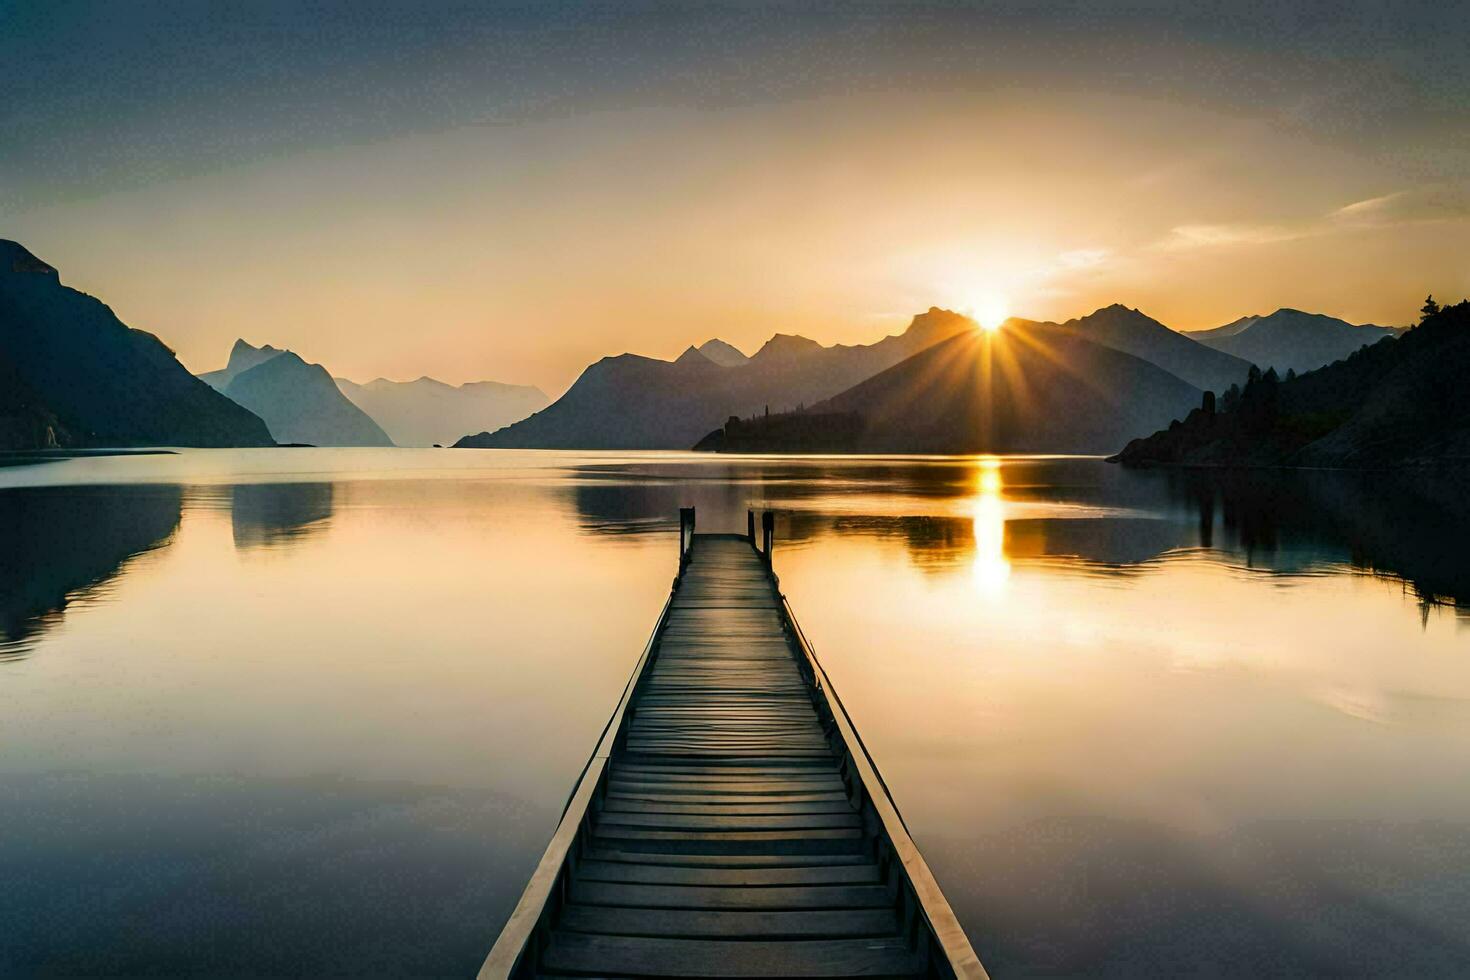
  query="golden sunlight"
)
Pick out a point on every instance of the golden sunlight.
point(991, 567)
point(989, 310)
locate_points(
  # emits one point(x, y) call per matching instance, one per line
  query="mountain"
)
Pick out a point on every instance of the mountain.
point(302, 404)
point(1397, 402)
point(1291, 339)
point(634, 402)
point(428, 412)
point(1219, 333)
point(73, 375)
point(60, 547)
point(1136, 333)
point(723, 354)
point(243, 357)
point(1026, 388)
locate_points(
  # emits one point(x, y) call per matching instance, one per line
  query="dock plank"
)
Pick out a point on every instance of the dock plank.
point(726, 841)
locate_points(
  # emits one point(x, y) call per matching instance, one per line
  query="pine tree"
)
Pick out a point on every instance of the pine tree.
point(1231, 399)
point(1429, 308)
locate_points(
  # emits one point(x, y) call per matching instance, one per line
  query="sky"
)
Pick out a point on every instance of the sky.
point(511, 191)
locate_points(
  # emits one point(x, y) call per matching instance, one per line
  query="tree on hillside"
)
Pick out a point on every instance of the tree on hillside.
point(1429, 309)
point(1231, 399)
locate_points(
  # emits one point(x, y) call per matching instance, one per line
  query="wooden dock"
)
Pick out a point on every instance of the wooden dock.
point(730, 822)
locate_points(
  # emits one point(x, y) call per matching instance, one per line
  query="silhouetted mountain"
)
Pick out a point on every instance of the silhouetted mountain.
point(60, 542)
point(723, 354)
point(266, 515)
point(1292, 340)
point(428, 412)
point(1136, 333)
point(634, 402)
point(73, 375)
point(302, 404)
point(1399, 401)
point(243, 357)
point(1027, 388)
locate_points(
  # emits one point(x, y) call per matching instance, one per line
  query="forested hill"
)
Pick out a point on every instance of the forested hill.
point(1401, 401)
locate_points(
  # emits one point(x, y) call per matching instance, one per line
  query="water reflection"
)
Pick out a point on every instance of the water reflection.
point(989, 568)
point(1113, 705)
point(265, 515)
point(61, 546)
point(1407, 525)
point(985, 514)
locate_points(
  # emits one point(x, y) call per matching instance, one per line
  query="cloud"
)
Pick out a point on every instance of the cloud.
point(1208, 236)
point(1441, 202)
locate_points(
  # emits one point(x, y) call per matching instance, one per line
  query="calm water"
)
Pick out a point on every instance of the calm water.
point(316, 711)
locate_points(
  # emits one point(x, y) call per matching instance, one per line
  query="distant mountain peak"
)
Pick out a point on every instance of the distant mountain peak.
point(722, 353)
point(939, 321)
point(1118, 311)
point(1292, 339)
point(786, 345)
point(244, 356)
point(692, 355)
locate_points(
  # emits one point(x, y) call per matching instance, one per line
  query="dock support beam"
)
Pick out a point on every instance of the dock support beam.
point(686, 535)
point(768, 534)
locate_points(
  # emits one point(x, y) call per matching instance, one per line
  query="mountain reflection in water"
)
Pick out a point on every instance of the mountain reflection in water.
point(1137, 720)
point(61, 545)
point(1097, 517)
point(266, 515)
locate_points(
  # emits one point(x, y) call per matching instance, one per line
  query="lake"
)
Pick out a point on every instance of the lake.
point(310, 711)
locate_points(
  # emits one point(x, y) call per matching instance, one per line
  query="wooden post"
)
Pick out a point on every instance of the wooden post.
point(686, 520)
point(768, 533)
point(750, 527)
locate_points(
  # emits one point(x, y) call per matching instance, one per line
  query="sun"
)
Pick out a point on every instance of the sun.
point(990, 310)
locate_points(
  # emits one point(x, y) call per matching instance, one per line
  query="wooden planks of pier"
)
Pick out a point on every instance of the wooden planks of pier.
point(728, 830)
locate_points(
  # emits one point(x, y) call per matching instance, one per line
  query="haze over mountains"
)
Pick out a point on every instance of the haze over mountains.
point(1292, 340)
point(1031, 387)
point(301, 407)
point(73, 375)
point(427, 412)
point(298, 401)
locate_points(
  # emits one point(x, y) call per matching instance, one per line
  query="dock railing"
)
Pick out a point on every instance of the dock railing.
point(923, 902)
point(926, 914)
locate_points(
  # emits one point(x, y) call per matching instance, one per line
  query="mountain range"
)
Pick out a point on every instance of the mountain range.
point(1030, 387)
point(635, 402)
point(427, 412)
point(298, 401)
point(1399, 401)
point(73, 375)
point(1134, 332)
point(1292, 340)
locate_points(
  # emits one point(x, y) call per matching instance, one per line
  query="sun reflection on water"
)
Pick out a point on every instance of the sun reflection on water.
point(991, 568)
